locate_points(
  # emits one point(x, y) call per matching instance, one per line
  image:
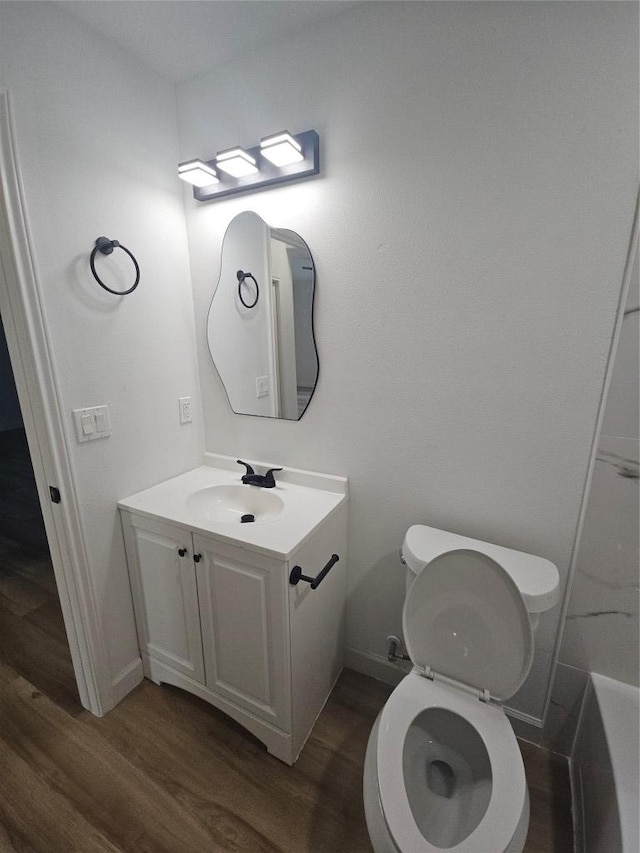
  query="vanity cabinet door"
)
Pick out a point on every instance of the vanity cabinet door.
point(164, 590)
point(244, 625)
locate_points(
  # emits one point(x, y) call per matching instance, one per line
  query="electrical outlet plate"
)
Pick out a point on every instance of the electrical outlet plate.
point(186, 413)
point(262, 386)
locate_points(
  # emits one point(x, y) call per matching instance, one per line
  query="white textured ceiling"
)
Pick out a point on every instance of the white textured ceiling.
point(183, 38)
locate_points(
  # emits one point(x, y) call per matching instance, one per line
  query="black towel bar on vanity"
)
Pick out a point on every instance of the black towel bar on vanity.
point(296, 574)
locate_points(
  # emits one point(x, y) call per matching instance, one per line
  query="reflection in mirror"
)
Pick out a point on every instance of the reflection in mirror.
point(260, 325)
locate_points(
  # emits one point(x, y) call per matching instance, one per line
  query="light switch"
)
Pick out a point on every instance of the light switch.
point(92, 423)
point(102, 419)
point(88, 424)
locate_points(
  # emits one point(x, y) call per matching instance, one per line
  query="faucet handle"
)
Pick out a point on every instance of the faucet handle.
point(269, 479)
point(249, 470)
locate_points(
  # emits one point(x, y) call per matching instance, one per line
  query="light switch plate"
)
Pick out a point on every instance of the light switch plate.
point(92, 423)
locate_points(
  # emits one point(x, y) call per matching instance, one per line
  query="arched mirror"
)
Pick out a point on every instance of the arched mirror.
point(260, 324)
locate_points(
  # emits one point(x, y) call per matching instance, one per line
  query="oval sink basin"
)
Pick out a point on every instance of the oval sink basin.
point(230, 503)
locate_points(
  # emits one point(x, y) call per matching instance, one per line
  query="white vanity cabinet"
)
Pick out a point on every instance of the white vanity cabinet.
point(222, 620)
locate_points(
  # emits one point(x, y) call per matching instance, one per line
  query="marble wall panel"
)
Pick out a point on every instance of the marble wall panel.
point(601, 628)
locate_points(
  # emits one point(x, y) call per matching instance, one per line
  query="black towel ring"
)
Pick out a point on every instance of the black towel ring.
point(105, 246)
point(241, 277)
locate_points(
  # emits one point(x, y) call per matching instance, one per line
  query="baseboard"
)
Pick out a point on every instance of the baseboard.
point(375, 666)
point(126, 680)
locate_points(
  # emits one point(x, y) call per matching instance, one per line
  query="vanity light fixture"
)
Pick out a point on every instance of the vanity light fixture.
point(236, 162)
point(197, 173)
point(280, 157)
point(281, 149)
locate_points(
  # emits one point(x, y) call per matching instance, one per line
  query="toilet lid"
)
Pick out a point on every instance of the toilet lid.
point(464, 618)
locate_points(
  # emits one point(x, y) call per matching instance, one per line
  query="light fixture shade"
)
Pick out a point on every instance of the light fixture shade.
point(197, 173)
point(281, 149)
point(236, 162)
point(280, 158)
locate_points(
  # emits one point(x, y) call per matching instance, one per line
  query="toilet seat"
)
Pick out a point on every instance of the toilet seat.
point(468, 633)
point(464, 618)
point(508, 793)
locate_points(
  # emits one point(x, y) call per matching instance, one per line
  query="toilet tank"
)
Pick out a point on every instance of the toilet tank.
point(536, 578)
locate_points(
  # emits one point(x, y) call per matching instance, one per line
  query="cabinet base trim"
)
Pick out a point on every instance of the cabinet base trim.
point(279, 744)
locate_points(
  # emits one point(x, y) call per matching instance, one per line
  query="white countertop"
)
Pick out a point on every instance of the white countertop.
point(305, 506)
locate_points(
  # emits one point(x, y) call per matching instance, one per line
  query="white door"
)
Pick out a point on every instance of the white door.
point(163, 581)
point(244, 624)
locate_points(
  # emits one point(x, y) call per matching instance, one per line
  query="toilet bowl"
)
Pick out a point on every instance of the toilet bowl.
point(443, 770)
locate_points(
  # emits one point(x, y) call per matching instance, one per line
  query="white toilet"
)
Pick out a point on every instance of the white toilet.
point(443, 769)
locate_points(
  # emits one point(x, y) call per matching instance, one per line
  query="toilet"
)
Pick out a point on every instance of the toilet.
point(443, 770)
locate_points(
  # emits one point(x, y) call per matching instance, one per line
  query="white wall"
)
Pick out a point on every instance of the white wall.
point(601, 628)
point(97, 146)
point(469, 228)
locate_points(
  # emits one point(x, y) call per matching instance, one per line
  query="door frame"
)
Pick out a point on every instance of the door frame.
point(30, 351)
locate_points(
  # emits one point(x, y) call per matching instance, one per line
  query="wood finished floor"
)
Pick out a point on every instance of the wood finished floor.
point(164, 772)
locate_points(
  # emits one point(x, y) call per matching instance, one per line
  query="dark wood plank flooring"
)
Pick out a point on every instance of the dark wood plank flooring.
point(550, 821)
point(165, 772)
